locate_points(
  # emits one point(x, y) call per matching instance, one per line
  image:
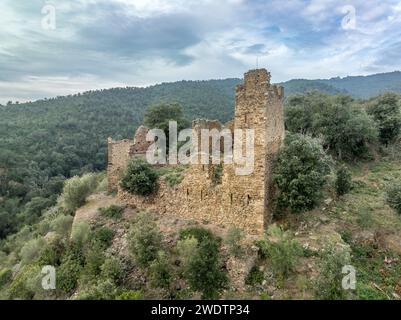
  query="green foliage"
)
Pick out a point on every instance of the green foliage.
point(62, 224)
point(204, 271)
point(160, 271)
point(159, 115)
point(144, 240)
point(393, 196)
point(113, 212)
point(5, 276)
point(346, 129)
point(103, 235)
point(32, 250)
point(198, 233)
point(187, 249)
point(130, 295)
point(343, 180)
point(34, 209)
point(199, 250)
point(300, 173)
point(233, 240)
point(80, 233)
point(281, 250)
point(77, 189)
point(139, 178)
point(329, 282)
point(94, 259)
point(113, 269)
point(172, 174)
point(25, 284)
point(300, 111)
point(386, 111)
point(70, 269)
point(217, 174)
point(103, 289)
point(52, 253)
point(254, 277)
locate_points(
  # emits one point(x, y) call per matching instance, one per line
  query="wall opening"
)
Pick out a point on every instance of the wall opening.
point(248, 199)
point(231, 198)
point(201, 195)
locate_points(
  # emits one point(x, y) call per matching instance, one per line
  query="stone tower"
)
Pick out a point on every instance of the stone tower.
point(259, 106)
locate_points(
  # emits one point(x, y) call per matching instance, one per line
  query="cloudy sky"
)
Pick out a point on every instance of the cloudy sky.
point(58, 47)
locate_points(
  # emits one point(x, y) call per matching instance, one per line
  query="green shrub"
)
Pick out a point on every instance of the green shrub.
point(172, 174)
point(204, 270)
point(77, 189)
point(300, 173)
point(386, 112)
point(70, 269)
point(160, 271)
point(81, 232)
point(343, 181)
point(35, 208)
point(254, 277)
point(22, 287)
point(233, 240)
point(62, 224)
point(187, 249)
point(329, 282)
point(103, 235)
point(52, 253)
point(103, 183)
point(281, 250)
point(198, 233)
point(94, 259)
point(113, 212)
point(393, 197)
point(113, 269)
point(139, 178)
point(5, 276)
point(32, 250)
point(103, 289)
point(347, 131)
point(144, 240)
point(345, 128)
point(67, 275)
point(158, 116)
point(130, 295)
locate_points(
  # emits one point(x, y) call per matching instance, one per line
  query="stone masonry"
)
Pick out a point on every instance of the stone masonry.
point(242, 201)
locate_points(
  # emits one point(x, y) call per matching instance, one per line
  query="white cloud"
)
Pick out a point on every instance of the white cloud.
point(104, 43)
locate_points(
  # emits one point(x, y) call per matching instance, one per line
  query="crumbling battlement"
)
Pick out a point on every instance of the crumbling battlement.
point(240, 200)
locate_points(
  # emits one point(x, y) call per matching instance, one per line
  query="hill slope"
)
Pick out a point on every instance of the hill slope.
point(43, 142)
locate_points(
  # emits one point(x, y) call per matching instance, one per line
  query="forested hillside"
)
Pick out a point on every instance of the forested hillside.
point(368, 86)
point(44, 142)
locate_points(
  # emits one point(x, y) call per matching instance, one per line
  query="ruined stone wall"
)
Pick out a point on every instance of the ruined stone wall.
point(243, 201)
point(118, 156)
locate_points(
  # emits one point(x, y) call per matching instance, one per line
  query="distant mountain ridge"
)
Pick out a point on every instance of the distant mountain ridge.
point(357, 86)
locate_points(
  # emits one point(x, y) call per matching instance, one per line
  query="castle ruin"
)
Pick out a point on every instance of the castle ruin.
point(242, 201)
